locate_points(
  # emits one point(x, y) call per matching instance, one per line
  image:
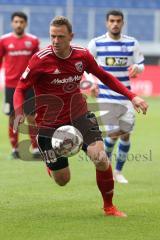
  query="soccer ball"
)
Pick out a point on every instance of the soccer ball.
point(67, 141)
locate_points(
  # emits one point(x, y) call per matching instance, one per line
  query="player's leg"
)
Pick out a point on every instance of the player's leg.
point(104, 177)
point(121, 157)
point(109, 145)
point(29, 109)
point(32, 133)
point(94, 147)
point(9, 110)
point(13, 137)
point(57, 168)
point(126, 123)
point(110, 122)
point(61, 176)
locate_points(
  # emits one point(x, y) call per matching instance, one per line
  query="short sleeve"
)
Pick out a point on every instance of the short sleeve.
point(138, 56)
point(92, 48)
point(31, 73)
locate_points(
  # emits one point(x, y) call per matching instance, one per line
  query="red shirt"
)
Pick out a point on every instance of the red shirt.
point(14, 55)
point(56, 82)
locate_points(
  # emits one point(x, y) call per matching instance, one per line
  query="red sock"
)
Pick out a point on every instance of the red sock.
point(13, 137)
point(49, 171)
point(106, 185)
point(32, 133)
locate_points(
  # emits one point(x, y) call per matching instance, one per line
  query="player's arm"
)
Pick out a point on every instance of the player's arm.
point(26, 81)
point(94, 90)
point(114, 84)
point(138, 59)
point(18, 101)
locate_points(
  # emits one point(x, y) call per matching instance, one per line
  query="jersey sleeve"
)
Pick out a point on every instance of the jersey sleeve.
point(27, 80)
point(137, 55)
point(105, 77)
point(92, 48)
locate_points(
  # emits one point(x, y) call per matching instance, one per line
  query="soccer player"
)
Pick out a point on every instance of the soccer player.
point(16, 48)
point(121, 56)
point(55, 73)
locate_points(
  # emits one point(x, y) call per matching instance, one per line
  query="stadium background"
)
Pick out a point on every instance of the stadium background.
point(31, 207)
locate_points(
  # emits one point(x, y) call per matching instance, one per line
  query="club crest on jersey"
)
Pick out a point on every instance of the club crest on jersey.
point(28, 44)
point(79, 66)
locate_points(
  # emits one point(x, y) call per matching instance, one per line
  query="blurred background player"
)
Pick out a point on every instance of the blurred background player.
point(121, 56)
point(16, 48)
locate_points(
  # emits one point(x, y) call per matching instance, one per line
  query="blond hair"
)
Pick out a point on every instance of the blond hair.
point(60, 21)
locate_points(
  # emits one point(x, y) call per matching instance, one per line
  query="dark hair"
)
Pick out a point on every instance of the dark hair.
point(19, 14)
point(60, 21)
point(114, 13)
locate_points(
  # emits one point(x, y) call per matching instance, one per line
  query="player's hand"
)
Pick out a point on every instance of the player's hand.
point(139, 104)
point(94, 90)
point(133, 71)
point(18, 120)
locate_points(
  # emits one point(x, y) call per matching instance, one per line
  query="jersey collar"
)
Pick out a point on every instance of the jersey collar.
point(71, 50)
point(108, 37)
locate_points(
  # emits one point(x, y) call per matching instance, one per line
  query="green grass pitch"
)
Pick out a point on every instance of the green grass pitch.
point(32, 207)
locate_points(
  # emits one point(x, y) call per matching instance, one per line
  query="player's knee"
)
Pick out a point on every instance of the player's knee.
point(101, 162)
point(62, 177)
point(125, 137)
point(62, 180)
point(102, 165)
point(115, 135)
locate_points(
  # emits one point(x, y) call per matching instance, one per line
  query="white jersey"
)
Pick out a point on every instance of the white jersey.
point(115, 56)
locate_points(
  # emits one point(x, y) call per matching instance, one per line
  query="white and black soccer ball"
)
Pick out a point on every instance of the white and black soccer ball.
point(67, 141)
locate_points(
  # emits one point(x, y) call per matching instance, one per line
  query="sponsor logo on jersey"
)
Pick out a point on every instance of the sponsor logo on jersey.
point(116, 61)
point(20, 53)
point(79, 66)
point(56, 71)
point(67, 80)
point(28, 44)
point(24, 75)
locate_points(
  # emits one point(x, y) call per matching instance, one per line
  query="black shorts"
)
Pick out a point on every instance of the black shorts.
point(86, 124)
point(29, 105)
